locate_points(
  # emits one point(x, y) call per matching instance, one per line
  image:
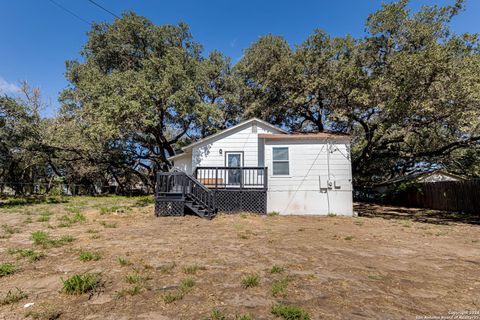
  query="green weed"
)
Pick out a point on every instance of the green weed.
point(289, 312)
point(89, 256)
point(192, 269)
point(279, 287)
point(276, 269)
point(250, 280)
point(31, 254)
point(13, 296)
point(82, 283)
point(6, 269)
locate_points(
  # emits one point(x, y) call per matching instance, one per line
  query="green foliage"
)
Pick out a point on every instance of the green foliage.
point(289, 312)
point(250, 280)
point(186, 284)
point(277, 269)
point(68, 220)
point(42, 238)
point(123, 261)
point(279, 287)
point(6, 269)
point(82, 283)
point(31, 254)
point(13, 296)
point(89, 256)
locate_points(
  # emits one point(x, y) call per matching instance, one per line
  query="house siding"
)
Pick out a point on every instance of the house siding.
point(305, 189)
point(242, 139)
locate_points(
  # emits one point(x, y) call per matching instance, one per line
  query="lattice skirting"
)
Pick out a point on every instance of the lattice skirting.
point(232, 201)
point(169, 208)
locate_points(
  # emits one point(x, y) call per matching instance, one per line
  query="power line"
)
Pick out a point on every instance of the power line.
point(104, 9)
point(70, 12)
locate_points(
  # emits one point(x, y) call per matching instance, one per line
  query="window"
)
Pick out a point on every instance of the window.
point(280, 162)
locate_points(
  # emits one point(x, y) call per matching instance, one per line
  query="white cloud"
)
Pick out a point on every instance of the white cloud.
point(7, 87)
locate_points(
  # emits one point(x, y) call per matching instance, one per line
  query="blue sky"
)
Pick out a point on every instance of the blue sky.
point(37, 36)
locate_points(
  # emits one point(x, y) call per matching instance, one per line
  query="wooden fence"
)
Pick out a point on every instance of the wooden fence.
point(460, 196)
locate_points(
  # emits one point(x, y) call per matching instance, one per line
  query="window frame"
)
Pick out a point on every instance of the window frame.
point(281, 161)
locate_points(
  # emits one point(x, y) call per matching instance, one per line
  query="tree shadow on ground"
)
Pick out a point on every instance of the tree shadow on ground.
point(27, 201)
point(372, 210)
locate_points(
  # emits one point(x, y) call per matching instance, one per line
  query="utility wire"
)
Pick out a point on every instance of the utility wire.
point(70, 12)
point(104, 9)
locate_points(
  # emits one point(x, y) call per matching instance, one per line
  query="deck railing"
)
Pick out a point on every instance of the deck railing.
point(179, 185)
point(232, 177)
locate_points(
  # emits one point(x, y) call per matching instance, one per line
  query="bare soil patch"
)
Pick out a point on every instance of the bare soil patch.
point(191, 268)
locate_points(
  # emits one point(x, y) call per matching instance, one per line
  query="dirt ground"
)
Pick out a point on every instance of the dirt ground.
point(334, 267)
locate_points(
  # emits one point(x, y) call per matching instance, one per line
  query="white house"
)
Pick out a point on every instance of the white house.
point(301, 173)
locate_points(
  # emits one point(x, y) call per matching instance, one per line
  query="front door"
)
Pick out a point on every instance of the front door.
point(234, 161)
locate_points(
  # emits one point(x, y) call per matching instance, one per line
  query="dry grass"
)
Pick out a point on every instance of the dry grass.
point(232, 267)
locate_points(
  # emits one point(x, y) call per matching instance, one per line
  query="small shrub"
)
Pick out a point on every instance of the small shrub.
point(6, 269)
point(81, 283)
point(123, 261)
point(12, 297)
point(279, 287)
point(172, 297)
point(32, 255)
point(273, 213)
point(89, 256)
point(288, 312)
point(331, 214)
point(108, 225)
point(250, 280)
point(348, 238)
point(276, 269)
point(187, 284)
point(192, 269)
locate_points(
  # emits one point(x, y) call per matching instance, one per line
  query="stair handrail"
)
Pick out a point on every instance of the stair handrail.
point(209, 203)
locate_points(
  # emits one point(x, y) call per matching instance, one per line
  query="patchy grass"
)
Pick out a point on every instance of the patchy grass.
point(89, 256)
point(42, 238)
point(192, 269)
point(6, 269)
point(279, 287)
point(123, 261)
point(216, 315)
point(172, 297)
point(45, 312)
point(82, 283)
point(167, 268)
point(13, 296)
point(69, 220)
point(9, 229)
point(277, 269)
point(250, 280)
point(273, 214)
point(289, 312)
point(112, 209)
point(31, 254)
point(348, 238)
point(187, 284)
point(131, 291)
point(244, 317)
point(106, 224)
point(136, 278)
point(44, 216)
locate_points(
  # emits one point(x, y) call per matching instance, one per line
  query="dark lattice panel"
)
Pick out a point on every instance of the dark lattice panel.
point(169, 208)
point(232, 201)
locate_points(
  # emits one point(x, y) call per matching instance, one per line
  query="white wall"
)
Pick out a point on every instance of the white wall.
point(241, 139)
point(184, 163)
point(302, 191)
